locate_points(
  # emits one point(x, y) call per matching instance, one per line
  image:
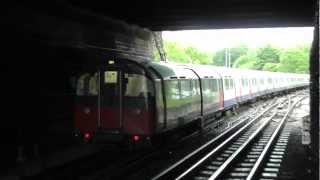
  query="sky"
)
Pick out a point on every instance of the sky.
point(213, 40)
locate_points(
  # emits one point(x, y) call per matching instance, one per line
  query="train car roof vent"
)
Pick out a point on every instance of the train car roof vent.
point(206, 77)
point(182, 77)
point(173, 77)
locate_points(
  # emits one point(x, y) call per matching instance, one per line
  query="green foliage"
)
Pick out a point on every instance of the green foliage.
point(295, 60)
point(267, 54)
point(235, 53)
point(268, 57)
point(271, 67)
point(177, 53)
point(246, 61)
point(197, 57)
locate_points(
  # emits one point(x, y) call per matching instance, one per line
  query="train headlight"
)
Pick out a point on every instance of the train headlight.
point(138, 111)
point(77, 133)
point(87, 110)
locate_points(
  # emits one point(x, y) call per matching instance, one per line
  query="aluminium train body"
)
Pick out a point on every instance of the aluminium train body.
point(129, 100)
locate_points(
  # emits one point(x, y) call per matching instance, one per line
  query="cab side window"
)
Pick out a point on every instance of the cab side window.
point(93, 84)
point(88, 85)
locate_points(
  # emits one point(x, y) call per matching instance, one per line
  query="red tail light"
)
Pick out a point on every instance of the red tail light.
point(87, 136)
point(136, 138)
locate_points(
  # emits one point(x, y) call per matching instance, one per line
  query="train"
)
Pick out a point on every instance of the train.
point(127, 100)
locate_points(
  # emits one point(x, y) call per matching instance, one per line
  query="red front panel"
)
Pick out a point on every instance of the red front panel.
point(135, 121)
point(110, 118)
point(86, 118)
point(138, 121)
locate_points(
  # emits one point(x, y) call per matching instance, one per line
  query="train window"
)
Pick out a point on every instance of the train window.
point(210, 84)
point(87, 84)
point(226, 83)
point(205, 85)
point(93, 84)
point(208, 88)
point(138, 89)
point(195, 87)
point(214, 85)
point(82, 84)
point(191, 86)
point(110, 76)
point(134, 90)
point(231, 83)
point(185, 88)
point(172, 89)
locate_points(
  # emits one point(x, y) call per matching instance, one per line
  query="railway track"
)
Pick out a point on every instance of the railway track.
point(239, 154)
point(136, 166)
point(120, 166)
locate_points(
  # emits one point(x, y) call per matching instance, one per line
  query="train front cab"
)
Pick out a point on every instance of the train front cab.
point(123, 107)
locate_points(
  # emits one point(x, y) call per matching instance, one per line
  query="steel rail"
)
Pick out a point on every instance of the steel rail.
point(203, 147)
point(258, 163)
point(227, 141)
point(243, 147)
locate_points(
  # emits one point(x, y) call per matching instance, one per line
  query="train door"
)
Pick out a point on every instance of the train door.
point(111, 95)
point(86, 106)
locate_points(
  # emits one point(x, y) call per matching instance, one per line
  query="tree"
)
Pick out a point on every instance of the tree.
point(247, 61)
point(219, 58)
point(196, 56)
point(175, 52)
point(238, 51)
point(295, 60)
point(267, 54)
point(235, 53)
point(266, 58)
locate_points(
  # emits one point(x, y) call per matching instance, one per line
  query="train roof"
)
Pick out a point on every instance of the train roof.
point(190, 71)
point(204, 71)
point(172, 71)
